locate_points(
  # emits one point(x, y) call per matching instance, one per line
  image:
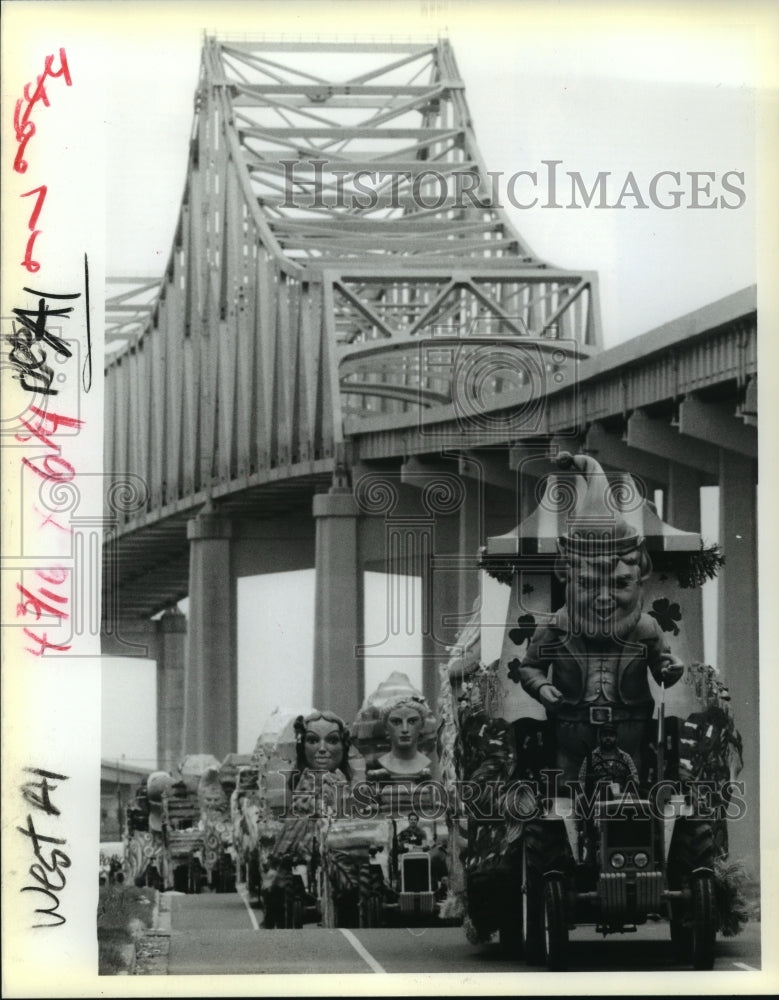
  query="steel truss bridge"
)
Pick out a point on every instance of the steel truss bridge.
point(350, 338)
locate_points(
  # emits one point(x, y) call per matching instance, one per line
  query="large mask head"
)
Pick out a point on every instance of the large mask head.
point(604, 590)
point(322, 742)
point(603, 558)
point(404, 721)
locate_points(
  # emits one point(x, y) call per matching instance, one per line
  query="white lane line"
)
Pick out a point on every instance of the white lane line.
point(362, 951)
point(747, 968)
point(245, 897)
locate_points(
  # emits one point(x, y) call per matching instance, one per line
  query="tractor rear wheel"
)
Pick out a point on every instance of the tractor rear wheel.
point(681, 932)
point(510, 933)
point(369, 904)
point(532, 911)
point(556, 925)
point(692, 847)
point(545, 849)
point(181, 878)
point(254, 875)
point(704, 922)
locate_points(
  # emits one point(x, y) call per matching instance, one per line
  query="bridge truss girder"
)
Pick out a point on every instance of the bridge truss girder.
point(289, 301)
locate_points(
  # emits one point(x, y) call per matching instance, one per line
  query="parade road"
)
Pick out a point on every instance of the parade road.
point(221, 934)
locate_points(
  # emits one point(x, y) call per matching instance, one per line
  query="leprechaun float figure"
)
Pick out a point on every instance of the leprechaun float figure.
point(591, 665)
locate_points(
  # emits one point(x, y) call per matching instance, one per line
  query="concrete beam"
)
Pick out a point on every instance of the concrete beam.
point(737, 646)
point(748, 409)
point(658, 438)
point(538, 461)
point(440, 598)
point(489, 467)
point(338, 606)
point(717, 424)
point(609, 449)
point(682, 509)
point(171, 667)
point(131, 638)
point(273, 545)
point(472, 525)
point(417, 472)
point(211, 681)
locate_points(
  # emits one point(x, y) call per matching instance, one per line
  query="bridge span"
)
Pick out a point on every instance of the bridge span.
point(349, 359)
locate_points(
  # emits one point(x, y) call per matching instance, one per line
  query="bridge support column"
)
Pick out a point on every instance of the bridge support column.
point(471, 518)
point(683, 510)
point(211, 682)
point(171, 658)
point(738, 651)
point(338, 608)
point(440, 592)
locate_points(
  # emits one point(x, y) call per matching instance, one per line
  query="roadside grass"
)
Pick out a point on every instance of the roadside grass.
point(123, 913)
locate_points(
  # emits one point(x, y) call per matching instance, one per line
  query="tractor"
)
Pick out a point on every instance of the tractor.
point(616, 864)
point(398, 885)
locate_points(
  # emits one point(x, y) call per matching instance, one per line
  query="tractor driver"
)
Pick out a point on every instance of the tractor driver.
point(413, 836)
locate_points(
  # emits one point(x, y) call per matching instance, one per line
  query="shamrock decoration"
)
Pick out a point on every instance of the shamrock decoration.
point(666, 615)
point(513, 670)
point(527, 626)
point(527, 588)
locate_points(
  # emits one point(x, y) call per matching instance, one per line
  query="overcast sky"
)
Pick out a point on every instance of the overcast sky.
point(598, 91)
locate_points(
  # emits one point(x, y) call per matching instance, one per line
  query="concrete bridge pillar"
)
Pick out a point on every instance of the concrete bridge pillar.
point(171, 657)
point(211, 684)
point(338, 606)
point(738, 651)
point(441, 588)
point(683, 510)
point(471, 530)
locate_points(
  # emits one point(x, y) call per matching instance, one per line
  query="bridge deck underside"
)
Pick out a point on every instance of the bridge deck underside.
point(146, 567)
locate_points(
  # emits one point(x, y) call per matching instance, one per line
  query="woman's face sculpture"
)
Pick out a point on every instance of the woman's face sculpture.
point(323, 745)
point(404, 726)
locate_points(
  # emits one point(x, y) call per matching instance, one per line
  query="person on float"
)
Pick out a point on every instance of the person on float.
point(608, 764)
point(413, 836)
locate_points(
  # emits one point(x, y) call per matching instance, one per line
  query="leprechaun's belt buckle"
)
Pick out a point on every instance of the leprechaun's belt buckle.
point(600, 714)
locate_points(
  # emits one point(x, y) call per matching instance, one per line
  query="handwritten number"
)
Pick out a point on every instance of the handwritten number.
point(24, 129)
point(33, 266)
point(35, 215)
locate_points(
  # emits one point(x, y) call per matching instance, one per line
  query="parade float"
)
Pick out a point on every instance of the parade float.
point(582, 736)
point(385, 860)
point(178, 833)
point(320, 816)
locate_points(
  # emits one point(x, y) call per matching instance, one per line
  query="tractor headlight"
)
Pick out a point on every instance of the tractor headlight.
point(617, 860)
point(641, 860)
